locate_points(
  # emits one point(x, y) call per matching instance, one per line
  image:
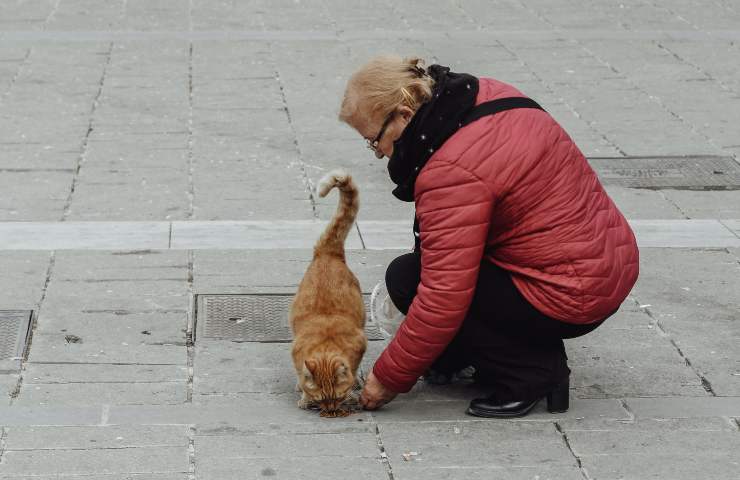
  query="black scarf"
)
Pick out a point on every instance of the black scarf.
point(433, 123)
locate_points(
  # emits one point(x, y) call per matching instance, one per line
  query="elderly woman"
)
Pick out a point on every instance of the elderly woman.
point(518, 244)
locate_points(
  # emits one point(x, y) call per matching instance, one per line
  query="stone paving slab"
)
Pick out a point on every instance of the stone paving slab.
point(34, 195)
point(473, 445)
point(689, 296)
point(80, 394)
point(104, 461)
point(56, 348)
point(23, 278)
point(85, 235)
point(659, 449)
point(301, 468)
point(640, 361)
point(73, 374)
point(97, 437)
point(98, 328)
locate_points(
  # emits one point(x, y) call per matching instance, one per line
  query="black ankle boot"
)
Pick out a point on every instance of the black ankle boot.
point(557, 402)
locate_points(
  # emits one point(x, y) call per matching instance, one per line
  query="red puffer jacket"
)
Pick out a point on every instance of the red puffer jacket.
point(514, 189)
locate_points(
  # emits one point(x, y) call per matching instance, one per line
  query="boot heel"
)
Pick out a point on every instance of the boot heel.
point(558, 400)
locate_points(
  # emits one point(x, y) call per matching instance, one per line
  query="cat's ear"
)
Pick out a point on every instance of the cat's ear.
point(311, 366)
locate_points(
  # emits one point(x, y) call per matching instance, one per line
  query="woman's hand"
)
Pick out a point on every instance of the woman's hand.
point(374, 394)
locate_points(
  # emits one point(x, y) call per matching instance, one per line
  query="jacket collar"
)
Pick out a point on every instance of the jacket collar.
point(453, 96)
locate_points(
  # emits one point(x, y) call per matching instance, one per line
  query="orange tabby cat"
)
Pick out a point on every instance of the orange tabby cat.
point(328, 314)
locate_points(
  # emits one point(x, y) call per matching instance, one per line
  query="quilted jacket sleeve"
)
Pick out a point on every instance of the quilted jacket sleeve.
point(454, 211)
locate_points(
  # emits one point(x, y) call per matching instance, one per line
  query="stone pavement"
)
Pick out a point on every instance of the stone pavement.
point(151, 151)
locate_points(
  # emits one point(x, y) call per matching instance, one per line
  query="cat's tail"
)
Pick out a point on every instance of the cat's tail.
point(332, 240)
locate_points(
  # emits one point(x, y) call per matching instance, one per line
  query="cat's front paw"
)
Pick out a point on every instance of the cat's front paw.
point(305, 403)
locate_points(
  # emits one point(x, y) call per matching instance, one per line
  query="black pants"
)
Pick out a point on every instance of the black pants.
point(517, 351)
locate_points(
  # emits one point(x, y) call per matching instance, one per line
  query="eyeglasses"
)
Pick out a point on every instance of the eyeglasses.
point(373, 144)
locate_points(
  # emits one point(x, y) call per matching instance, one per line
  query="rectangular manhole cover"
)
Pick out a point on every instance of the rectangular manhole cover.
point(253, 318)
point(14, 329)
point(688, 173)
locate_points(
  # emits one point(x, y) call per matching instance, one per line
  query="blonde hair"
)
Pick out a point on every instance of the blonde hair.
point(384, 84)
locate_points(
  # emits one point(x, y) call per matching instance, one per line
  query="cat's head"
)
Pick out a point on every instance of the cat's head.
point(327, 381)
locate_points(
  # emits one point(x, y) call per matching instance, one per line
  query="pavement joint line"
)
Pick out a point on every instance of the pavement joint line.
point(16, 391)
point(17, 73)
point(564, 436)
point(3, 446)
point(359, 233)
point(705, 383)
point(191, 452)
point(385, 460)
point(308, 184)
point(672, 203)
point(86, 139)
point(627, 409)
point(190, 329)
point(737, 234)
point(191, 159)
point(104, 415)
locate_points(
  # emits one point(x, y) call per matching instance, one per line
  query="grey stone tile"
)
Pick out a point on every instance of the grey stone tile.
point(689, 295)
point(301, 468)
point(56, 349)
point(244, 380)
point(276, 445)
point(684, 407)
point(8, 385)
point(454, 444)
point(682, 234)
point(709, 204)
point(112, 476)
point(141, 194)
point(80, 394)
point(101, 461)
point(237, 411)
point(24, 415)
point(643, 204)
point(550, 472)
point(33, 195)
point(629, 357)
point(23, 278)
point(80, 373)
point(84, 235)
point(100, 328)
point(93, 438)
point(121, 265)
point(675, 448)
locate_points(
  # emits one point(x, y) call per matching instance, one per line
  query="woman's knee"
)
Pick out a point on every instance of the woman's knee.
point(402, 279)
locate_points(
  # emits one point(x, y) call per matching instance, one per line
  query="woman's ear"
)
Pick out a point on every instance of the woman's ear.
point(406, 113)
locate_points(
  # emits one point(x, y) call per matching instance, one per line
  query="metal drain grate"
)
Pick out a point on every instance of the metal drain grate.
point(14, 327)
point(253, 318)
point(688, 173)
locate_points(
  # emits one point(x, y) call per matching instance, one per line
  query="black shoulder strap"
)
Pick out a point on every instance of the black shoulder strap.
point(495, 106)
